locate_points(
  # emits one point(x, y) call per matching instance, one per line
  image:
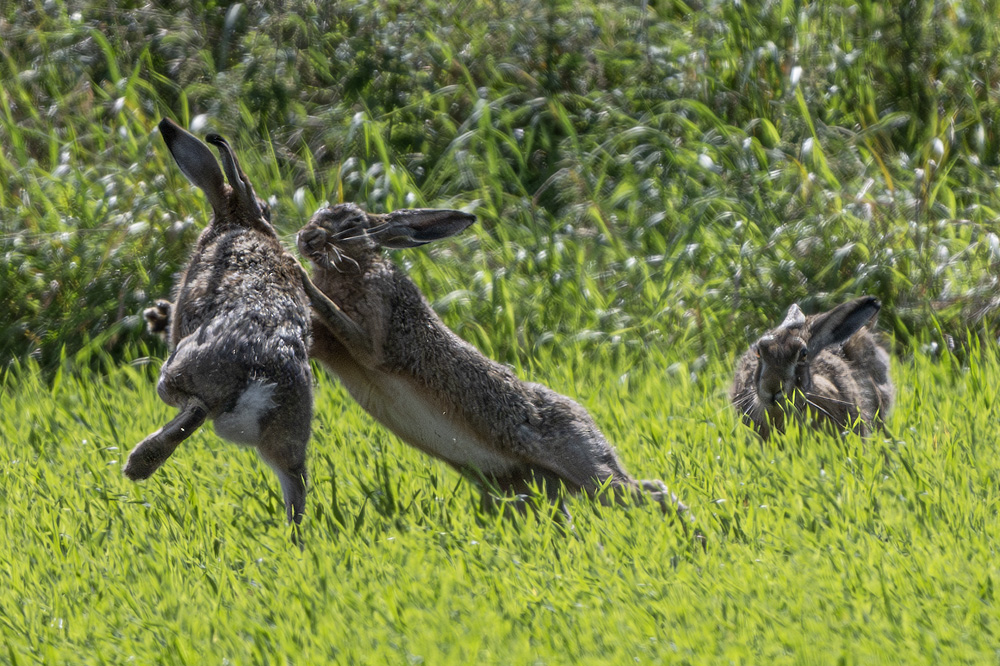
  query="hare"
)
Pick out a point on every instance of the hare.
point(827, 365)
point(375, 330)
point(239, 330)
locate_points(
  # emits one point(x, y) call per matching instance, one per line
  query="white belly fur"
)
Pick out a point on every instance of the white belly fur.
point(421, 420)
point(241, 424)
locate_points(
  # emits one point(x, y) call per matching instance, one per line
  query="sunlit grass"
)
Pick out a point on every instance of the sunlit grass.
point(652, 191)
point(819, 547)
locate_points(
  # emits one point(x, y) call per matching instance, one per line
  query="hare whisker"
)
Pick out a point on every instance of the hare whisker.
point(747, 404)
point(821, 409)
point(744, 402)
point(829, 399)
point(342, 235)
point(359, 234)
point(337, 257)
point(341, 256)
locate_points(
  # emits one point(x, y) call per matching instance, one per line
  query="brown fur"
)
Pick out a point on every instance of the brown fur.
point(375, 330)
point(239, 331)
point(828, 367)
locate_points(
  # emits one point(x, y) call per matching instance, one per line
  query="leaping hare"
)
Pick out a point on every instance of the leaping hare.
point(239, 330)
point(375, 330)
point(828, 366)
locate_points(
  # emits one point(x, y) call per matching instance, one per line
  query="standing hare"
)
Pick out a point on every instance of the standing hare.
point(239, 330)
point(827, 365)
point(375, 330)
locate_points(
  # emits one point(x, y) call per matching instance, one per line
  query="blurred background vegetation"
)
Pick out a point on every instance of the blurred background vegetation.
point(645, 173)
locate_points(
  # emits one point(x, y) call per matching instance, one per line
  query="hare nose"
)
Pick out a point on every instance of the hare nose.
point(769, 391)
point(770, 397)
point(312, 238)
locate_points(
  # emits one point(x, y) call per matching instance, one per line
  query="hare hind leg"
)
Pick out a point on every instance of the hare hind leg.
point(291, 471)
point(150, 453)
point(282, 445)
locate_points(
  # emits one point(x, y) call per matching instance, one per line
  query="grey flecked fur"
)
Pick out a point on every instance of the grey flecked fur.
point(239, 330)
point(375, 330)
point(828, 366)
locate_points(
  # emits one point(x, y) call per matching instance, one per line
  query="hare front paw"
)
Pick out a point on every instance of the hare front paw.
point(158, 317)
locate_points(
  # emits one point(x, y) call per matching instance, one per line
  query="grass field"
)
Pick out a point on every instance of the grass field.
point(655, 183)
point(820, 549)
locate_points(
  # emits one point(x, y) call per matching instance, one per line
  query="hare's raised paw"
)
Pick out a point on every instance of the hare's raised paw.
point(141, 464)
point(158, 317)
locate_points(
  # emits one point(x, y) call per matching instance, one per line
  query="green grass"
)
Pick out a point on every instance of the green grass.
point(820, 549)
point(653, 190)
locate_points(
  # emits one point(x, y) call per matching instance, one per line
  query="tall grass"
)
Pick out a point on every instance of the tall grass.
point(686, 173)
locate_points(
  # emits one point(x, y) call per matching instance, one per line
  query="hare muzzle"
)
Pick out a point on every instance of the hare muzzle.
point(312, 242)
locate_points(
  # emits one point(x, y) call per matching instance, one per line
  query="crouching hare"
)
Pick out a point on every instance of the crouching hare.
point(239, 330)
point(375, 330)
point(827, 366)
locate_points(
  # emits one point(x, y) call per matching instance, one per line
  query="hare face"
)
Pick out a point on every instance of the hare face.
point(781, 366)
point(337, 236)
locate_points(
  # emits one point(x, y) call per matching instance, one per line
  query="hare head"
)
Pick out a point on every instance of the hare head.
point(345, 234)
point(801, 364)
point(235, 202)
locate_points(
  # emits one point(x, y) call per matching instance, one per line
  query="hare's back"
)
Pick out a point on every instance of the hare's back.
point(866, 356)
point(246, 276)
point(241, 313)
point(869, 362)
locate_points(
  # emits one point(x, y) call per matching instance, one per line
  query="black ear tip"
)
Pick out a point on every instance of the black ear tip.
point(462, 218)
point(871, 301)
point(215, 139)
point(169, 128)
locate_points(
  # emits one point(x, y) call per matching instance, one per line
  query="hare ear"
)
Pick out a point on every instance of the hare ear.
point(842, 322)
point(234, 174)
point(794, 318)
point(196, 162)
point(410, 228)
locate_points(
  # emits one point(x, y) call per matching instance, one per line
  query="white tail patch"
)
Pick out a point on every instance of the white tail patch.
point(241, 424)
